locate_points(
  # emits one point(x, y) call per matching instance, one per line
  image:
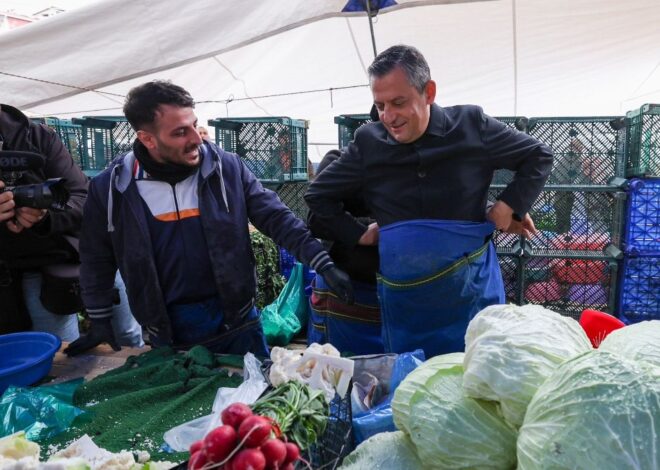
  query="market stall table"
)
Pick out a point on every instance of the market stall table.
point(90, 364)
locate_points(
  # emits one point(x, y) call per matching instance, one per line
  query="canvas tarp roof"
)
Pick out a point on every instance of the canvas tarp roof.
point(307, 60)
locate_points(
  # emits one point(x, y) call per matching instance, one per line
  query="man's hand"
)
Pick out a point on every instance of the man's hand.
point(339, 283)
point(100, 331)
point(26, 217)
point(526, 227)
point(370, 237)
point(7, 204)
point(502, 216)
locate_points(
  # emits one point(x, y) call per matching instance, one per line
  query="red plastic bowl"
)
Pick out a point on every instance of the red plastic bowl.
point(598, 325)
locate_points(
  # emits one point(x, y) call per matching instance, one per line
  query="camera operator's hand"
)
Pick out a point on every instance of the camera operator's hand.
point(6, 204)
point(25, 217)
point(100, 331)
point(339, 283)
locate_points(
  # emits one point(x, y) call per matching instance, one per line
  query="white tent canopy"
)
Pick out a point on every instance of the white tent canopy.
point(307, 60)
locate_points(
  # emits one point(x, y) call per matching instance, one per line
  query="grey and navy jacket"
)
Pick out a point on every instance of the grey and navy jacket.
point(115, 235)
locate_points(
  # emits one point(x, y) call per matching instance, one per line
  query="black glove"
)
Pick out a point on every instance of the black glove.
point(100, 331)
point(339, 283)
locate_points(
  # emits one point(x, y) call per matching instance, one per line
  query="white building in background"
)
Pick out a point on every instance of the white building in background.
point(10, 19)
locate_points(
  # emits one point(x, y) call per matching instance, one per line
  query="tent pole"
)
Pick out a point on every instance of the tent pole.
point(371, 26)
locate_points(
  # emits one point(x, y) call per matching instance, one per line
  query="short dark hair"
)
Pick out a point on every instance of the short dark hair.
point(409, 59)
point(142, 102)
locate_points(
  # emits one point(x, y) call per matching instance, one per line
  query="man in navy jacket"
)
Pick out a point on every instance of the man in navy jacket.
point(172, 216)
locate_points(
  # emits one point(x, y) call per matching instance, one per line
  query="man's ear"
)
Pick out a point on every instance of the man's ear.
point(147, 139)
point(429, 92)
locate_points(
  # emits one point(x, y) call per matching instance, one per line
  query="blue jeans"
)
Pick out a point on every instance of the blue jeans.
point(201, 323)
point(127, 331)
point(64, 326)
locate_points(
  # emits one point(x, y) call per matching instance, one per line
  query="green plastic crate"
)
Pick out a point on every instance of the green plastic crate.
point(292, 194)
point(106, 137)
point(70, 134)
point(588, 151)
point(643, 141)
point(347, 125)
point(273, 148)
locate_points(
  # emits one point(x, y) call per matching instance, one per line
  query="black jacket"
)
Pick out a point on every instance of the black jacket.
point(445, 174)
point(54, 238)
point(359, 262)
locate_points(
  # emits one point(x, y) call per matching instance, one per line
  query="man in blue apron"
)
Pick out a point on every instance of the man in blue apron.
point(424, 173)
point(172, 215)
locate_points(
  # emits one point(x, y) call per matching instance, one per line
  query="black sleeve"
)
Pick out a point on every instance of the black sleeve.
point(60, 164)
point(341, 180)
point(530, 159)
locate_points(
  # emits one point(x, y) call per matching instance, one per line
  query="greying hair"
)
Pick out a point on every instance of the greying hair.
point(409, 59)
point(143, 101)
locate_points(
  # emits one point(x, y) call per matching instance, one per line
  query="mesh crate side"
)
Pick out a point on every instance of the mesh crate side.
point(587, 150)
point(642, 224)
point(643, 142)
point(292, 195)
point(568, 286)
point(639, 293)
point(347, 124)
point(274, 149)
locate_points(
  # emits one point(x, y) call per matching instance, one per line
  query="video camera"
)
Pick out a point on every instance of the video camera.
point(51, 194)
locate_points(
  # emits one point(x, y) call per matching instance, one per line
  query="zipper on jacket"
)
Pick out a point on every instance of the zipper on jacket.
point(176, 202)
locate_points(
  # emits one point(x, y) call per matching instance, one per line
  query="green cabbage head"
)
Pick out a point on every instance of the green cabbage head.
point(511, 350)
point(639, 342)
point(596, 411)
point(452, 431)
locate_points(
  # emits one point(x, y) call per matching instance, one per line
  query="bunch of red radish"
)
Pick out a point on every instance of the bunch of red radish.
point(245, 441)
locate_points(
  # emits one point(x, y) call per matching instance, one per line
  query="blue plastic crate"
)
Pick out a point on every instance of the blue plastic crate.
point(287, 262)
point(639, 290)
point(642, 225)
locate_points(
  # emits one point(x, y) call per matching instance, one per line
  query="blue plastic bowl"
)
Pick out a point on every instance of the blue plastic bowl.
point(26, 358)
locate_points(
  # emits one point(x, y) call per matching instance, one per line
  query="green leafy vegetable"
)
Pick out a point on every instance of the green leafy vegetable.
point(300, 412)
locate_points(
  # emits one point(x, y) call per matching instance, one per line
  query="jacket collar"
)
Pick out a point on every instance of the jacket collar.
point(435, 128)
point(123, 172)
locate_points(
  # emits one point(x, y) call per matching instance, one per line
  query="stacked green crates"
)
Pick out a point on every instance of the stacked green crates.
point(273, 148)
point(643, 142)
point(572, 263)
point(105, 137)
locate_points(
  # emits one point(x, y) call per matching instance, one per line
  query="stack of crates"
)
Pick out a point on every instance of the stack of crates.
point(273, 148)
point(572, 263)
point(104, 138)
point(639, 295)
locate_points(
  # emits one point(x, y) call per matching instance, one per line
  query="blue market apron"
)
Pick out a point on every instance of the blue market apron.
point(201, 323)
point(350, 328)
point(435, 275)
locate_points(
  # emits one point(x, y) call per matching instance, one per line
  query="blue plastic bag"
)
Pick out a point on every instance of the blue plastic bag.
point(379, 418)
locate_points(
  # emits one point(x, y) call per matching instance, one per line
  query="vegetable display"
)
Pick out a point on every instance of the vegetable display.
point(548, 400)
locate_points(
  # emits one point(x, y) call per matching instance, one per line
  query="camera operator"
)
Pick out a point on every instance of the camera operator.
point(39, 260)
